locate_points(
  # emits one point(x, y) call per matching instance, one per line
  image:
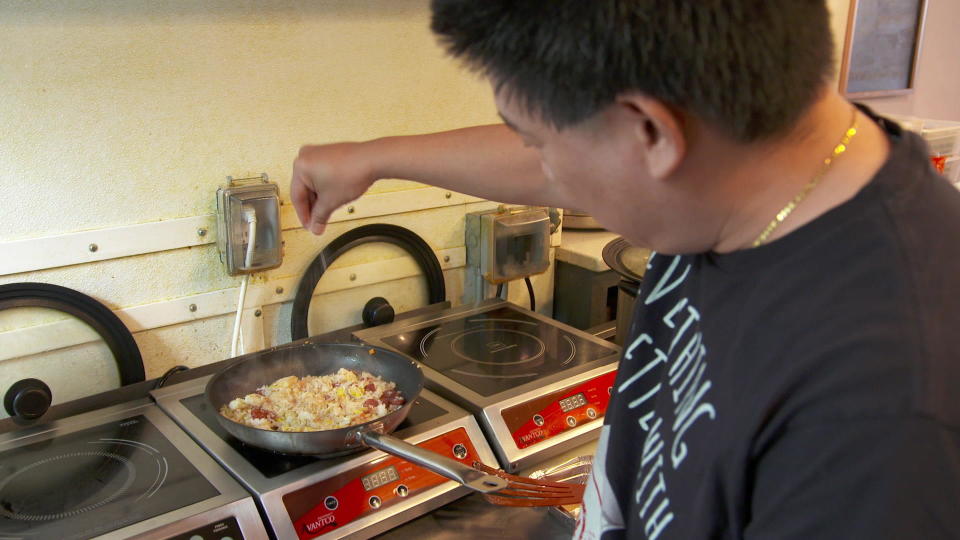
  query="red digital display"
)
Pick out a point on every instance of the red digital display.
point(379, 478)
point(573, 402)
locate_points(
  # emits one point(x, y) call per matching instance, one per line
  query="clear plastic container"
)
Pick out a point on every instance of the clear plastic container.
point(942, 136)
point(952, 169)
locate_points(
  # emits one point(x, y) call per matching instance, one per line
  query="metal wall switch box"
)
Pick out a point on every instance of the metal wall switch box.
point(249, 209)
point(509, 243)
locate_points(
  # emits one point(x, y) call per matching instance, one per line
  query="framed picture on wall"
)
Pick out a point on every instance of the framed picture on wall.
point(882, 47)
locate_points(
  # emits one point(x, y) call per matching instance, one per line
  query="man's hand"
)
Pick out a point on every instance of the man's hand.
point(484, 161)
point(326, 177)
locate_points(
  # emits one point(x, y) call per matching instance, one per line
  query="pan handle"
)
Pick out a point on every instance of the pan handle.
point(442, 465)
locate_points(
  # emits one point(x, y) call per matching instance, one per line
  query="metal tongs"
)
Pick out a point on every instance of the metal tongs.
point(497, 486)
point(523, 491)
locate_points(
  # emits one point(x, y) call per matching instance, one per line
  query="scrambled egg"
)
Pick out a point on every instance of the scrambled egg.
point(316, 403)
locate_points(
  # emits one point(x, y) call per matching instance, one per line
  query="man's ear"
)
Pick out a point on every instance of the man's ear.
point(658, 130)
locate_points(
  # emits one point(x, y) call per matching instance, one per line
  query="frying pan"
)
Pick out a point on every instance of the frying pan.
point(247, 374)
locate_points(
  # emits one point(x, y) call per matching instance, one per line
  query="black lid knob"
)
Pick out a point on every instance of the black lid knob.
point(377, 311)
point(28, 399)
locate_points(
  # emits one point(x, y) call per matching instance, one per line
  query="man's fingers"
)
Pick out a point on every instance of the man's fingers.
point(318, 218)
point(311, 213)
point(302, 198)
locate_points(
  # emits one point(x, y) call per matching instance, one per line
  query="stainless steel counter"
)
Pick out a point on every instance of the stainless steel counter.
point(474, 518)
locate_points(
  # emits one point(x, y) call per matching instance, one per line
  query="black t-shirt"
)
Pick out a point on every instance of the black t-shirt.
point(808, 388)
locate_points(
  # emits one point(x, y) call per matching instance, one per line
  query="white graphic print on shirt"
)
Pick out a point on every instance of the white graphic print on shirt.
point(675, 344)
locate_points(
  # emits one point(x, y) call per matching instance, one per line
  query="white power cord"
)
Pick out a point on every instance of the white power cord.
point(250, 216)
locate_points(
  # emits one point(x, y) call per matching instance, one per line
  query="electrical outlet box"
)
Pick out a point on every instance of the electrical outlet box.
point(249, 209)
point(509, 243)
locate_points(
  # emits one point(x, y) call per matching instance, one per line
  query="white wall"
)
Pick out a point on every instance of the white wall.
point(121, 112)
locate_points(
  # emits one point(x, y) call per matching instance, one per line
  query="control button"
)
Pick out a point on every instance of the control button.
point(226, 538)
point(331, 503)
point(196, 537)
point(375, 502)
point(591, 413)
point(460, 451)
point(538, 420)
point(402, 490)
point(571, 421)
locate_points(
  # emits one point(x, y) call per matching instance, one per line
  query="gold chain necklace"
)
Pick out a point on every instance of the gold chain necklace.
point(788, 209)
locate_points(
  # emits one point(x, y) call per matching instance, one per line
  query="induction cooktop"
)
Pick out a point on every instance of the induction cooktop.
point(126, 468)
point(496, 350)
point(536, 385)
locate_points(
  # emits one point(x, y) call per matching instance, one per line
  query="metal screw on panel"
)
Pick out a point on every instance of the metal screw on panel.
point(353, 277)
point(279, 290)
point(201, 232)
point(448, 195)
point(192, 307)
point(257, 313)
point(350, 209)
point(460, 451)
point(446, 258)
point(93, 248)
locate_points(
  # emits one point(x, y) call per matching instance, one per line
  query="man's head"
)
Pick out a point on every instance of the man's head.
point(749, 66)
point(574, 75)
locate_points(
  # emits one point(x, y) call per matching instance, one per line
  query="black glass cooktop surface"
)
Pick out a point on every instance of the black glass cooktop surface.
point(94, 481)
point(271, 464)
point(497, 350)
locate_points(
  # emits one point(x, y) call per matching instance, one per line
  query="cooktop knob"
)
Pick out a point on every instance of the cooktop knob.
point(377, 311)
point(28, 399)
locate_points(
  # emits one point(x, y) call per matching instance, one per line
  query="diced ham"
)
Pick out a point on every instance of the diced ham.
point(371, 403)
point(370, 387)
point(258, 413)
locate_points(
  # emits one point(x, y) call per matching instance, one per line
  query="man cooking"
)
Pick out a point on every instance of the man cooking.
point(792, 368)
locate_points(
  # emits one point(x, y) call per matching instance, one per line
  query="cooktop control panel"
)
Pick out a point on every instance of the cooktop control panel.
point(328, 505)
point(540, 419)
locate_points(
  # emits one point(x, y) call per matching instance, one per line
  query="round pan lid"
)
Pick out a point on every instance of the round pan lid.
point(98, 316)
point(379, 232)
point(627, 260)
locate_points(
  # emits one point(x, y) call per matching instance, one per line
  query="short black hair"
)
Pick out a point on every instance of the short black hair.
point(751, 67)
